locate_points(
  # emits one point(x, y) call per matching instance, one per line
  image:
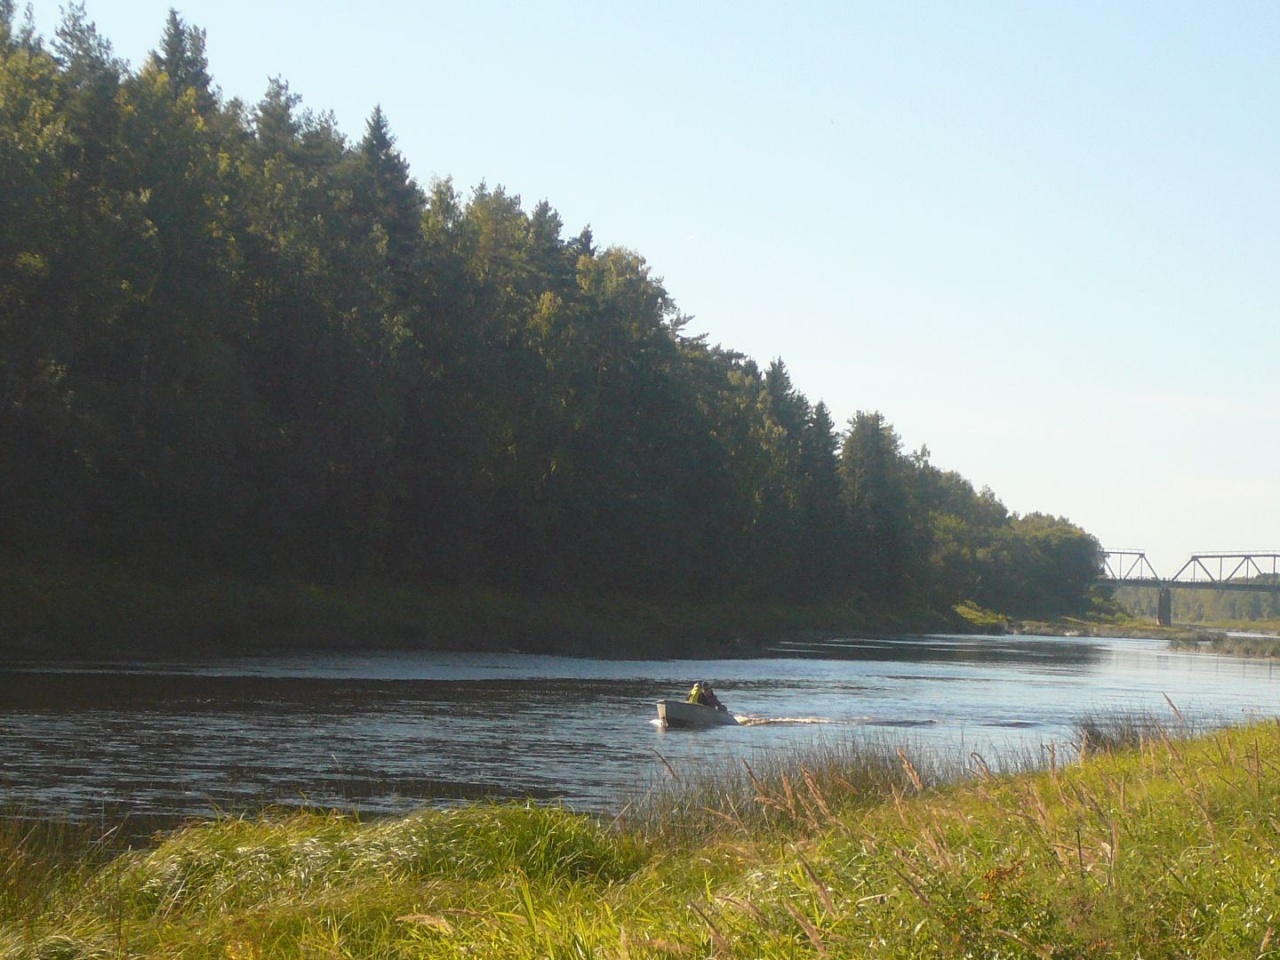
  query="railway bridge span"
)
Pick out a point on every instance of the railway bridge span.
point(1255, 570)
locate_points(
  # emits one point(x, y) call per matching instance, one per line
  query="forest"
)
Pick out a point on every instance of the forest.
point(234, 342)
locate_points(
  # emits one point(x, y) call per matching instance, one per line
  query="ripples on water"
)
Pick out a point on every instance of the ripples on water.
point(386, 732)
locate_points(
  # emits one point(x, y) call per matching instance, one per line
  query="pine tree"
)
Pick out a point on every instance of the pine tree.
point(182, 59)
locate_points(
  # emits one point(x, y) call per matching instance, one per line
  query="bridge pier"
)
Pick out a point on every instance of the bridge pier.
point(1164, 608)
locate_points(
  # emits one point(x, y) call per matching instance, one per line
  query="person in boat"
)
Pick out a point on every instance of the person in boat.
point(703, 694)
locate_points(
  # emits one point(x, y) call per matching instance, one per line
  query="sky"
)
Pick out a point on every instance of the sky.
point(1042, 239)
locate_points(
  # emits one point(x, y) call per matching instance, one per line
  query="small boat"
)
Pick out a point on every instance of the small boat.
point(681, 713)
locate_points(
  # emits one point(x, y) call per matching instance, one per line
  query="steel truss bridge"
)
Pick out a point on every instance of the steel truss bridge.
point(1242, 570)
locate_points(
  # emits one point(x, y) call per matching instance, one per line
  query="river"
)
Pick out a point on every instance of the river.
point(385, 732)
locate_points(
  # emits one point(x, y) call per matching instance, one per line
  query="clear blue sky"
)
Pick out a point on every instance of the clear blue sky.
point(1042, 239)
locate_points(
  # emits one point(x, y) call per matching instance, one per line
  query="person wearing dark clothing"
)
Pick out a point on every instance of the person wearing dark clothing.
point(703, 694)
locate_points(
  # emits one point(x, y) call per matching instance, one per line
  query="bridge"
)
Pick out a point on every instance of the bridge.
point(1257, 570)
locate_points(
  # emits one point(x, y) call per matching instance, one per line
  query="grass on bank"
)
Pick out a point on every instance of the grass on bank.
point(1235, 646)
point(1166, 849)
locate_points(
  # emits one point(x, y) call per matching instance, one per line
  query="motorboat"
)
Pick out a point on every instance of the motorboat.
point(681, 713)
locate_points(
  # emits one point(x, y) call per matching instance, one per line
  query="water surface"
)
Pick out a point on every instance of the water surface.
point(385, 732)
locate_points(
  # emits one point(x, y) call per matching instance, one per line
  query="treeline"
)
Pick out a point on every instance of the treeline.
point(231, 340)
point(1204, 606)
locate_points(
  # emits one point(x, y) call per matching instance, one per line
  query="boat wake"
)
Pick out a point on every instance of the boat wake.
point(748, 721)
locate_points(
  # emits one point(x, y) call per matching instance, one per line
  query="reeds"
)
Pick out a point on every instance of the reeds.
point(43, 859)
point(1119, 729)
point(803, 790)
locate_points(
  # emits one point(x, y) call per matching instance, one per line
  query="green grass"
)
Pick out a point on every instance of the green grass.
point(979, 618)
point(1156, 844)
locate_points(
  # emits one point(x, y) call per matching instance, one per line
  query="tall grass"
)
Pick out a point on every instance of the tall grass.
point(293, 880)
point(801, 791)
point(1118, 729)
point(42, 861)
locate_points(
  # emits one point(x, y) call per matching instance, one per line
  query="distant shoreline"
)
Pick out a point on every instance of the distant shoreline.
point(55, 611)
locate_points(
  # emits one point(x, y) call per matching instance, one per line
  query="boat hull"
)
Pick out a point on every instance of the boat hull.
point(681, 713)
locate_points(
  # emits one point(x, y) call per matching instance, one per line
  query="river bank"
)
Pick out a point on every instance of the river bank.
point(840, 853)
point(50, 611)
point(1249, 639)
point(55, 611)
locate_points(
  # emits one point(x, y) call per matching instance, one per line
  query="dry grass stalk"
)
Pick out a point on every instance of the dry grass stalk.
point(912, 774)
point(810, 931)
point(719, 941)
point(828, 905)
point(815, 792)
